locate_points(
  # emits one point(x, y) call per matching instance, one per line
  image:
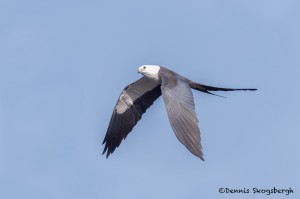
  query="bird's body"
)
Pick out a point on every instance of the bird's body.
point(137, 97)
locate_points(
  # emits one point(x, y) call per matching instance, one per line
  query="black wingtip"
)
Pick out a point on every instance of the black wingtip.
point(104, 140)
point(104, 150)
point(107, 154)
point(200, 155)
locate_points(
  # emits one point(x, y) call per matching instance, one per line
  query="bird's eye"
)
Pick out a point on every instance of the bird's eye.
point(144, 67)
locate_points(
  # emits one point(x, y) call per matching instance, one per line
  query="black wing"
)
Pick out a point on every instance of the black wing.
point(134, 100)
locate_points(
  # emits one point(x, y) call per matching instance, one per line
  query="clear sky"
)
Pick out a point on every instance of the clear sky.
point(63, 65)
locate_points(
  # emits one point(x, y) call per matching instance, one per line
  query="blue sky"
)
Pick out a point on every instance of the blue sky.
point(64, 64)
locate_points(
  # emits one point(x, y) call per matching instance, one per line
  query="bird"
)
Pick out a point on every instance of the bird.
point(176, 91)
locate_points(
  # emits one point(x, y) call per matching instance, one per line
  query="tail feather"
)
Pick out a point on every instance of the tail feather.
point(206, 89)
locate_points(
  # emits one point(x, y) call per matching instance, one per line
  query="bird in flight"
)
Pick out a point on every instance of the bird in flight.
point(176, 91)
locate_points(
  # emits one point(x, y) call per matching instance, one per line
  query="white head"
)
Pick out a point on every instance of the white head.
point(150, 71)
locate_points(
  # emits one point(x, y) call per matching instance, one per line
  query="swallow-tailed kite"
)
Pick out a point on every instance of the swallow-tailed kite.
point(137, 97)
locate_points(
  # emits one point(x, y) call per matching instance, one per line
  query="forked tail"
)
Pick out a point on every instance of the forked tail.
point(206, 89)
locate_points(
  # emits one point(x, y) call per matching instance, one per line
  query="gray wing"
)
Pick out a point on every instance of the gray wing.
point(179, 102)
point(134, 100)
